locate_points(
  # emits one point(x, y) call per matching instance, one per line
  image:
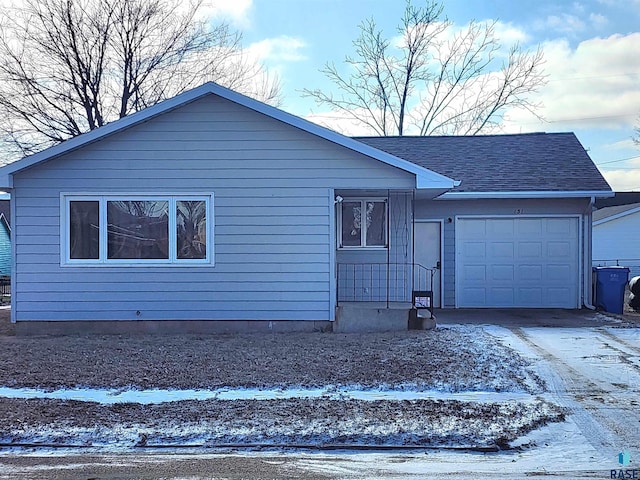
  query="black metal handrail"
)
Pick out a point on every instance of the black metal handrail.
point(381, 282)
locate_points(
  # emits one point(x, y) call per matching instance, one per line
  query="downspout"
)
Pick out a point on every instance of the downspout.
point(588, 276)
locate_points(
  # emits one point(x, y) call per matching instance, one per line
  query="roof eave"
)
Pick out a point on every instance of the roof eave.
point(527, 194)
point(435, 181)
point(616, 216)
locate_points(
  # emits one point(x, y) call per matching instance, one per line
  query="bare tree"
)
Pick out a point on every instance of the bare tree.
point(70, 66)
point(432, 80)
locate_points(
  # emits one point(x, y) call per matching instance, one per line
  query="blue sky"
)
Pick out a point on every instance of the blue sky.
point(591, 47)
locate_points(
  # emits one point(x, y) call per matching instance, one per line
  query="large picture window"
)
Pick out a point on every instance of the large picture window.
point(150, 229)
point(362, 223)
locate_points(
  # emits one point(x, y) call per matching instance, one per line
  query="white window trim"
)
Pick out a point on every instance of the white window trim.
point(103, 198)
point(363, 230)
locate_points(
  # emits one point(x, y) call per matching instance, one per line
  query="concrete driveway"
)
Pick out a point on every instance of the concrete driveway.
point(530, 317)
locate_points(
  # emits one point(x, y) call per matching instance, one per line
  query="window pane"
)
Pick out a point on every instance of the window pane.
point(191, 229)
point(376, 224)
point(138, 229)
point(84, 230)
point(351, 225)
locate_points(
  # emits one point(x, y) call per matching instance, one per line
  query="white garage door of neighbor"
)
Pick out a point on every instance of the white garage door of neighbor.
point(517, 262)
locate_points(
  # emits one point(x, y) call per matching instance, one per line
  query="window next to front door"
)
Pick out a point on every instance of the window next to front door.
point(362, 223)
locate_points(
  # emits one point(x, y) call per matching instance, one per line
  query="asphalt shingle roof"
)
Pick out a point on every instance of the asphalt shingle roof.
point(501, 163)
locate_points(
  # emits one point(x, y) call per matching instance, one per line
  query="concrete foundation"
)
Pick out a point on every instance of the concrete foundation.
point(350, 318)
point(168, 327)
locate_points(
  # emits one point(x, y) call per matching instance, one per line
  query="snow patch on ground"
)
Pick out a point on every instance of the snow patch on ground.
point(420, 423)
point(155, 396)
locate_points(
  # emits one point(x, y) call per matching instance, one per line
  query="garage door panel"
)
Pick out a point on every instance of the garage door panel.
point(502, 250)
point(476, 228)
point(518, 262)
point(530, 297)
point(474, 249)
point(503, 296)
point(530, 249)
point(504, 273)
point(529, 226)
point(560, 226)
point(557, 297)
point(529, 273)
point(475, 273)
point(501, 226)
point(475, 295)
point(559, 273)
point(559, 249)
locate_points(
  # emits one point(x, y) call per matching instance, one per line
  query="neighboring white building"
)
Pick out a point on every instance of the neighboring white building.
point(616, 237)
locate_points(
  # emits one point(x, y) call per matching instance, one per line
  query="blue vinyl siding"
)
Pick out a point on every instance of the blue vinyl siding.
point(273, 218)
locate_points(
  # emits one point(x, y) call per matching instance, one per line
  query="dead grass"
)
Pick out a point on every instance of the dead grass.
point(455, 359)
point(444, 358)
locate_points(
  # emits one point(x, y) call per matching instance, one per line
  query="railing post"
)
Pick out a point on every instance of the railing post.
point(388, 281)
point(354, 283)
point(337, 285)
point(371, 282)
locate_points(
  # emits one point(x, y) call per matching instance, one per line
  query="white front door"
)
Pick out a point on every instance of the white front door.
point(427, 253)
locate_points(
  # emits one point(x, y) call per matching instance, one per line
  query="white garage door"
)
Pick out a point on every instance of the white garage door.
point(517, 262)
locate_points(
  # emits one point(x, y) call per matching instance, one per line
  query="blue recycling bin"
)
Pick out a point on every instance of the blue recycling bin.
point(610, 283)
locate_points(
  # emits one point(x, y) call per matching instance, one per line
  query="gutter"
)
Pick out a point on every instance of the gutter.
point(527, 194)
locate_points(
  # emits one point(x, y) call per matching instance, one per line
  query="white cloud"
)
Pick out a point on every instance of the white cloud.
point(564, 23)
point(279, 49)
point(597, 84)
point(508, 34)
point(622, 3)
point(598, 20)
point(623, 180)
point(574, 21)
point(619, 161)
point(626, 144)
point(236, 11)
point(622, 175)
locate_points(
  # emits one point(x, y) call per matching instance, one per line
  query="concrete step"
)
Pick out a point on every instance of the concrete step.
point(361, 318)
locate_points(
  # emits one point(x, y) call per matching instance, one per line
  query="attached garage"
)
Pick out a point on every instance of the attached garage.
point(516, 231)
point(531, 262)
